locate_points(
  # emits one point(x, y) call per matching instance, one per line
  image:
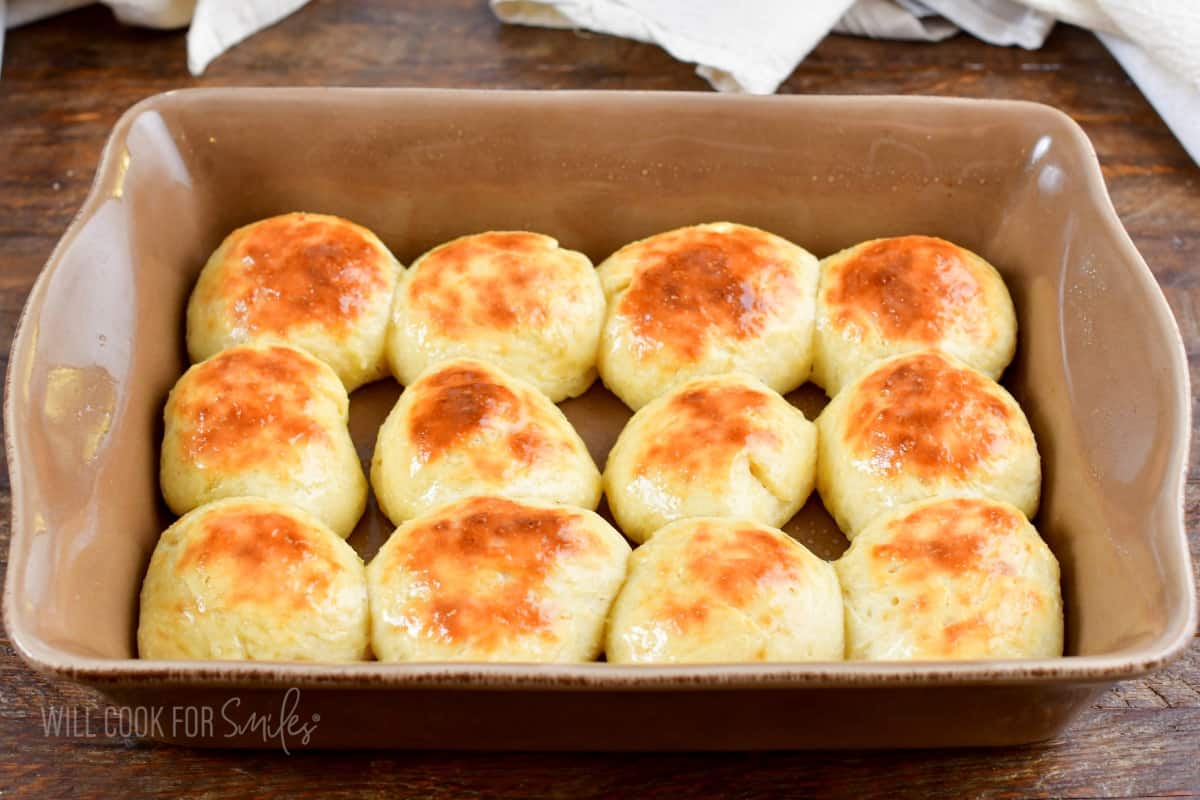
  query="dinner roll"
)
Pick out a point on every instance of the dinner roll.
point(890, 296)
point(264, 420)
point(706, 300)
point(711, 589)
point(922, 425)
point(492, 579)
point(255, 579)
point(951, 578)
point(721, 446)
point(465, 428)
point(314, 281)
point(511, 298)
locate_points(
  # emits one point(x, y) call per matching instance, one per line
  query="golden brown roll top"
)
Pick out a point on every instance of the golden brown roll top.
point(263, 420)
point(488, 280)
point(511, 298)
point(705, 300)
point(464, 428)
point(711, 589)
point(922, 425)
point(696, 282)
point(890, 296)
point(706, 425)
point(249, 578)
point(926, 416)
point(951, 578)
point(301, 269)
point(715, 446)
point(460, 402)
point(314, 281)
point(491, 579)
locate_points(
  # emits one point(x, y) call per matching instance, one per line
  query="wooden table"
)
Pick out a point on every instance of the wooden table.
point(65, 82)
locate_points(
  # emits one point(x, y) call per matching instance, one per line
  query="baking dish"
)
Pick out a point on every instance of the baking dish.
point(1100, 370)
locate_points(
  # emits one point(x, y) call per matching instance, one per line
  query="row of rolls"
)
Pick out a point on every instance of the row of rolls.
point(925, 462)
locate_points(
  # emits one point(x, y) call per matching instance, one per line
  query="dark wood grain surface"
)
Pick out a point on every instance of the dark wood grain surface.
point(65, 82)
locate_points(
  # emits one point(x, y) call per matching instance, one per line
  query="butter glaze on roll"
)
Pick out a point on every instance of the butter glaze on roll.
point(918, 426)
point(246, 578)
point(317, 282)
point(263, 420)
point(721, 446)
point(951, 579)
point(706, 300)
point(886, 297)
point(511, 298)
point(490, 579)
point(466, 428)
point(707, 589)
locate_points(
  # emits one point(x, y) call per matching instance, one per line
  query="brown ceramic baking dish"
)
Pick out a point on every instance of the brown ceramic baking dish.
point(1100, 371)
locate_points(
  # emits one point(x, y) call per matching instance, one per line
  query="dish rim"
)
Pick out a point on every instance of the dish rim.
point(109, 177)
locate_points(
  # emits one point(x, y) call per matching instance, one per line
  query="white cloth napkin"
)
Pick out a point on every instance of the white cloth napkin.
point(215, 25)
point(753, 45)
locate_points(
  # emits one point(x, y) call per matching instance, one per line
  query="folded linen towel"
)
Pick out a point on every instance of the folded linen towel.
point(753, 46)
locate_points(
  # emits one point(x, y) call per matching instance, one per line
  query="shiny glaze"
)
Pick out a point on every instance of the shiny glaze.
point(923, 415)
point(477, 570)
point(489, 280)
point(460, 401)
point(952, 549)
point(695, 283)
point(950, 537)
point(729, 568)
point(247, 407)
point(911, 287)
point(298, 269)
point(704, 429)
point(268, 557)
